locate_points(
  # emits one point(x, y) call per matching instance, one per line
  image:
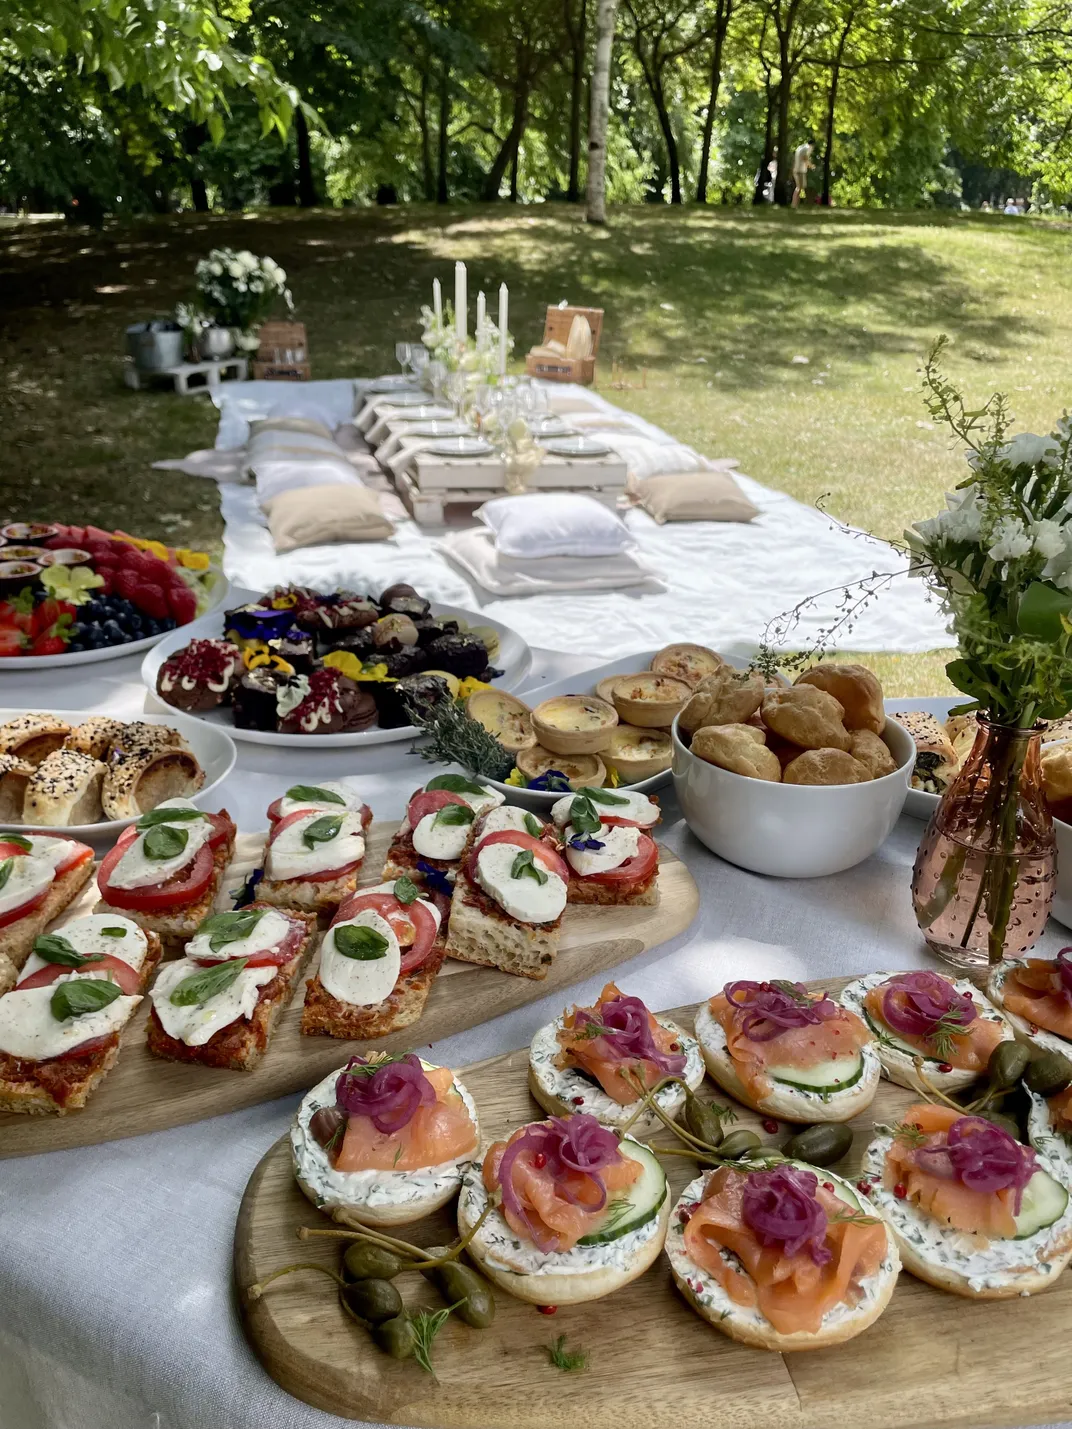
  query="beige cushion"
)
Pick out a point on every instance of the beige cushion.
point(695, 496)
point(308, 425)
point(326, 516)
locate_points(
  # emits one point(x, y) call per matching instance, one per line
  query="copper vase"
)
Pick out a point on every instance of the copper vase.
point(986, 868)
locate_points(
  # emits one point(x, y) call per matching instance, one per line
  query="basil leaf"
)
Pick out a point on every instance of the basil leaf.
point(315, 793)
point(75, 999)
point(525, 866)
point(583, 816)
point(455, 783)
point(224, 928)
point(405, 890)
point(54, 948)
point(602, 796)
point(168, 816)
point(533, 825)
point(17, 840)
point(322, 831)
point(453, 814)
point(5, 870)
point(209, 982)
point(163, 841)
point(362, 944)
point(113, 932)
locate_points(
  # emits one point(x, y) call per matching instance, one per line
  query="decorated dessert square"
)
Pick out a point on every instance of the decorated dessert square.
point(429, 842)
point(315, 848)
point(612, 858)
point(40, 876)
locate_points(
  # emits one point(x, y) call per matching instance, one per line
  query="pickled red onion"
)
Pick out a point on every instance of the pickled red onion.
point(981, 1156)
point(568, 1144)
point(915, 1003)
point(629, 1037)
point(781, 1207)
point(390, 1096)
point(770, 1008)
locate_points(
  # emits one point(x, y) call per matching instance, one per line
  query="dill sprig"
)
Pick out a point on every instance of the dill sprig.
point(426, 1326)
point(908, 1131)
point(569, 1361)
point(941, 1037)
point(455, 738)
point(856, 1218)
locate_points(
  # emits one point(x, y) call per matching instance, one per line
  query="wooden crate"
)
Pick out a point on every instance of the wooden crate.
point(556, 328)
point(283, 355)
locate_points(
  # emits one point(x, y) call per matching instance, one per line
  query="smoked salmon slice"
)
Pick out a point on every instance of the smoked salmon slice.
point(435, 1134)
point(838, 1037)
point(1061, 1110)
point(1037, 993)
point(595, 1056)
point(792, 1291)
point(985, 1213)
point(968, 1051)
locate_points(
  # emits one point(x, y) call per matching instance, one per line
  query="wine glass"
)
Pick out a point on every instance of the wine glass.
point(419, 358)
point(404, 355)
point(457, 384)
point(437, 376)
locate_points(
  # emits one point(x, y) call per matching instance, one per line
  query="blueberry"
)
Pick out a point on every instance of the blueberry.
point(112, 633)
point(169, 624)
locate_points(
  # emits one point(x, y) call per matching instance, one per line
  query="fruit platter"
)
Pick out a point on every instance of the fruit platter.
point(339, 668)
point(76, 594)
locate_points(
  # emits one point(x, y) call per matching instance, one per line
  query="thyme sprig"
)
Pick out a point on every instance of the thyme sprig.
point(455, 738)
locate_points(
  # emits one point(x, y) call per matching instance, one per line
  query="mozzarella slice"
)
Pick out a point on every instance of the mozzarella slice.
point(509, 816)
point(524, 898)
point(620, 843)
point(28, 1028)
point(486, 799)
point(29, 876)
point(196, 1024)
point(360, 981)
point(637, 807)
point(390, 888)
point(433, 839)
point(88, 937)
point(56, 851)
point(268, 932)
point(289, 857)
point(137, 870)
point(350, 797)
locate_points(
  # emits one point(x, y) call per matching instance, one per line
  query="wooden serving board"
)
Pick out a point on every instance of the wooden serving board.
point(142, 1093)
point(931, 1359)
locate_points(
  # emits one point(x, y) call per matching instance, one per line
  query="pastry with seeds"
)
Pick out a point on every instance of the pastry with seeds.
point(32, 736)
point(65, 789)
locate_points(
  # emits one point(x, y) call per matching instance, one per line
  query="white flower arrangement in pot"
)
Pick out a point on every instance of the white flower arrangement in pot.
point(237, 290)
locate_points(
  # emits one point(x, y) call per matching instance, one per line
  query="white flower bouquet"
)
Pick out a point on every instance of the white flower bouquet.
point(238, 290)
point(479, 358)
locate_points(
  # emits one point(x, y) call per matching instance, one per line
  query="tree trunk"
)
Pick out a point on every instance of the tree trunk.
point(599, 114)
point(672, 160)
point(199, 194)
point(722, 20)
point(307, 195)
point(508, 149)
point(444, 126)
point(831, 106)
point(513, 172)
point(768, 147)
point(578, 38)
point(783, 183)
point(427, 173)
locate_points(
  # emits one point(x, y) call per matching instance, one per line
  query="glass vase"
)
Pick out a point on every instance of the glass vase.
point(986, 868)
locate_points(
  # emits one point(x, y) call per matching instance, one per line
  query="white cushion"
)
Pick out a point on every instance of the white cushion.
point(545, 524)
point(283, 461)
point(474, 553)
point(241, 403)
point(645, 457)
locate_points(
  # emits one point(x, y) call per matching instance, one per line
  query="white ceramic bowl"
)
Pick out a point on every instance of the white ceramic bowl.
point(791, 830)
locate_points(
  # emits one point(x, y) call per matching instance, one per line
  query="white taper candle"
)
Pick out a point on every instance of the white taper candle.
point(481, 317)
point(460, 300)
point(437, 299)
point(504, 313)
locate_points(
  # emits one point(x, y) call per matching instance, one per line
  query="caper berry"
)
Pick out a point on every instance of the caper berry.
point(1007, 1064)
point(738, 1144)
point(1048, 1074)
point(365, 1261)
point(395, 1337)
point(1007, 1123)
point(819, 1145)
point(703, 1119)
point(467, 1291)
point(373, 1300)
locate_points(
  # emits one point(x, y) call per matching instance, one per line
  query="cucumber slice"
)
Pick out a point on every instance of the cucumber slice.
point(636, 1206)
point(1044, 1201)
point(824, 1078)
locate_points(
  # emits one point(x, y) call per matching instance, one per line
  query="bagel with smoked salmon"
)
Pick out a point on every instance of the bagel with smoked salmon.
point(1031, 993)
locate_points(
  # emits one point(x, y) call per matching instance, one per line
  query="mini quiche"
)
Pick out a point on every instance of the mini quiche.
point(650, 701)
point(431, 838)
point(690, 663)
point(594, 1060)
point(945, 1021)
point(1035, 995)
point(504, 716)
point(558, 1234)
point(574, 724)
point(781, 1259)
point(386, 1138)
point(40, 876)
point(973, 1211)
point(635, 754)
point(788, 1052)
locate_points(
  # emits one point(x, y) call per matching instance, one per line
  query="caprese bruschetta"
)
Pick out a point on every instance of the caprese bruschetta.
point(945, 1021)
point(596, 1059)
point(327, 796)
point(40, 876)
point(784, 1258)
point(611, 859)
point(386, 1138)
point(165, 871)
point(429, 842)
point(218, 1005)
point(788, 1052)
point(580, 1213)
point(378, 962)
point(1035, 995)
point(313, 858)
point(973, 1211)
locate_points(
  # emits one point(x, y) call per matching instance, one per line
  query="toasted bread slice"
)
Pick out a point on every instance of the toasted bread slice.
point(310, 894)
point(611, 895)
point(180, 924)
point(325, 1016)
point(480, 932)
point(402, 858)
point(17, 939)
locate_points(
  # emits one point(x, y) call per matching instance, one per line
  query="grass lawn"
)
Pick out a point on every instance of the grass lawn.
point(706, 311)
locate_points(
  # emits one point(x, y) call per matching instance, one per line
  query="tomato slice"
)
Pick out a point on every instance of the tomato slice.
point(128, 978)
point(633, 870)
point(10, 850)
point(223, 829)
point(187, 886)
point(275, 809)
point(95, 1044)
point(413, 924)
point(542, 852)
point(14, 914)
point(622, 823)
point(422, 804)
point(286, 821)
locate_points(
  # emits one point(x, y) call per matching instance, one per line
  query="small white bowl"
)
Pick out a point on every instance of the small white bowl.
point(791, 830)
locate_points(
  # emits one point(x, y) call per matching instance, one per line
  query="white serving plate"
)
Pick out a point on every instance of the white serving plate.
point(458, 447)
point(221, 592)
point(579, 446)
point(214, 749)
point(514, 659)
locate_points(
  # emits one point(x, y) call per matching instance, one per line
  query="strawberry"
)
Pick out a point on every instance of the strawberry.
point(12, 641)
point(182, 602)
point(126, 583)
point(48, 645)
point(151, 599)
point(45, 615)
point(18, 611)
point(156, 571)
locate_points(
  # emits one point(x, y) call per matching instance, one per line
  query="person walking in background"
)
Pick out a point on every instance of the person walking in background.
point(801, 165)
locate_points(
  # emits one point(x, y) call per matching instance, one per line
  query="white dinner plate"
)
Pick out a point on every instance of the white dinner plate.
point(579, 445)
point(551, 426)
point(412, 398)
point(459, 447)
point(393, 383)
point(221, 589)
point(514, 659)
point(213, 747)
point(444, 427)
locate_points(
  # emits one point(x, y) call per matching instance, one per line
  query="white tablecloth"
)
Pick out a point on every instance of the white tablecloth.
point(115, 1260)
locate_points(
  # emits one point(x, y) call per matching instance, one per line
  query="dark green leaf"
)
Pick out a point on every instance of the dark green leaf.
point(455, 784)
point(113, 932)
point(163, 841)
point(54, 948)
point(454, 814)
point(583, 816)
point(209, 982)
point(1040, 611)
point(224, 928)
point(74, 999)
point(525, 866)
point(533, 825)
point(362, 944)
point(314, 793)
point(17, 840)
point(322, 831)
point(5, 870)
point(168, 816)
point(602, 796)
point(405, 889)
